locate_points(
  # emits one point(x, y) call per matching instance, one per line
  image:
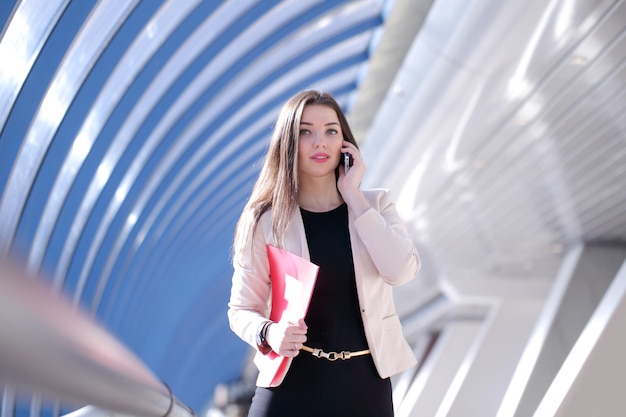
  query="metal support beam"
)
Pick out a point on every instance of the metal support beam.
point(48, 346)
point(591, 380)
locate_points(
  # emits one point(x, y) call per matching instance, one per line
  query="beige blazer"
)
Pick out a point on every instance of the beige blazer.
point(384, 256)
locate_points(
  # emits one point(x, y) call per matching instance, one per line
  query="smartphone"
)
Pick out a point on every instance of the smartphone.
point(347, 162)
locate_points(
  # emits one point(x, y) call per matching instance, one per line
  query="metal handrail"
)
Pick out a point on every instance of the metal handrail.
point(49, 346)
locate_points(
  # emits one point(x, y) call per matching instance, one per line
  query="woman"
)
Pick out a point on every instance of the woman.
point(305, 202)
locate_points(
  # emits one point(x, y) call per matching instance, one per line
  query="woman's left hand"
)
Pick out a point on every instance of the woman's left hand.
point(351, 180)
point(348, 183)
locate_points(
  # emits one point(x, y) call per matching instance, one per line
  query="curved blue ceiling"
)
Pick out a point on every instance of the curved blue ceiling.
point(130, 136)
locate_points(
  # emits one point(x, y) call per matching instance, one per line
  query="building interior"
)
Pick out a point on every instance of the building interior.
point(131, 134)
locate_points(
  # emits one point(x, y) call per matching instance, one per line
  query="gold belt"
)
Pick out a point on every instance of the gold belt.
point(333, 356)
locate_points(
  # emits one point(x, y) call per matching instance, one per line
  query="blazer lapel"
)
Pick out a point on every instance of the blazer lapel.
point(295, 237)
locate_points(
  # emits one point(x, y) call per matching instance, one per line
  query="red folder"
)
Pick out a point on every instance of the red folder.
point(293, 279)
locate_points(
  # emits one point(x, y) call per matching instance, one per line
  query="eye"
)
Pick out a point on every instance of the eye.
point(304, 132)
point(332, 131)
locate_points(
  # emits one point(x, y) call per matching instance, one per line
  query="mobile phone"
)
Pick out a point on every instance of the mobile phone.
point(347, 162)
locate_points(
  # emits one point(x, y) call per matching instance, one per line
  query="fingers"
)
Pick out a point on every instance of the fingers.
point(351, 181)
point(357, 158)
point(352, 150)
point(295, 336)
point(290, 349)
point(348, 146)
point(287, 339)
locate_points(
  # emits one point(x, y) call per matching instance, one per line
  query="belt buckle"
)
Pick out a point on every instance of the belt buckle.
point(331, 356)
point(318, 353)
point(344, 355)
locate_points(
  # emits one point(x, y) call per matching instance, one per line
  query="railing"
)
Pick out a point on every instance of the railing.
point(50, 347)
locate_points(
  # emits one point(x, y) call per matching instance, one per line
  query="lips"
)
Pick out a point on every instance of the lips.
point(320, 157)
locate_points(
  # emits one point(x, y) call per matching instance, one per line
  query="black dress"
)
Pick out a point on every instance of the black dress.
point(315, 386)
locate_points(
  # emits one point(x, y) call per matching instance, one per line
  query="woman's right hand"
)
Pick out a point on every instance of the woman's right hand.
point(287, 338)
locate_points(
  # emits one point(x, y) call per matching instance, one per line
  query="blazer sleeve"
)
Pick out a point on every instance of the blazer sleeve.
point(387, 240)
point(249, 304)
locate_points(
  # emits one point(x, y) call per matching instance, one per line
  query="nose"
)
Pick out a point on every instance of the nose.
point(319, 141)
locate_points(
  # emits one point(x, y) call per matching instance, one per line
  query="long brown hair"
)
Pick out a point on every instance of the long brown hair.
point(277, 185)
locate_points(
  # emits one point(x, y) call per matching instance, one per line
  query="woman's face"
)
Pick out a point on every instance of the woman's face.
point(321, 140)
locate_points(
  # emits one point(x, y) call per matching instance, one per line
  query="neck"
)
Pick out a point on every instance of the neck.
point(319, 195)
